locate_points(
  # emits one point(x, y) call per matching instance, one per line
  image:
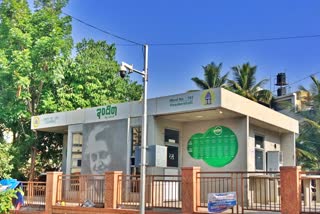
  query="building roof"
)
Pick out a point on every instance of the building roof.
point(198, 105)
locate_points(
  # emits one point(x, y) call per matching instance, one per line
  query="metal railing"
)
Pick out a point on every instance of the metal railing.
point(310, 192)
point(76, 189)
point(162, 191)
point(34, 193)
point(255, 190)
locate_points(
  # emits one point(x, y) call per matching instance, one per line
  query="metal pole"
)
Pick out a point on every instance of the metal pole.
point(144, 135)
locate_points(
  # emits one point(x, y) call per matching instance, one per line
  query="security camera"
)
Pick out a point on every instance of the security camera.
point(123, 71)
point(124, 68)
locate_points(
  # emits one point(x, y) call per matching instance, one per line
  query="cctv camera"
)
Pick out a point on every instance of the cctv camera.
point(123, 71)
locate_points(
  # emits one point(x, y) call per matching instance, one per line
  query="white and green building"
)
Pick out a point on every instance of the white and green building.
point(214, 129)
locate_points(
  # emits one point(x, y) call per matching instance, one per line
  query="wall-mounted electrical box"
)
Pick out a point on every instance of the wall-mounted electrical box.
point(156, 156)
point(274, 160)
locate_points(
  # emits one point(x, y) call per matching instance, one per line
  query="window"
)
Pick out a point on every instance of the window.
point(259, 152)
point(135, 170)
point(171, 140)
point(76, 154)
point(136, 139)
point(171, 136)
point(135, 142)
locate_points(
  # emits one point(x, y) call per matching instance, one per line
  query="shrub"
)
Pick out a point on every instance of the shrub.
point(6, 200)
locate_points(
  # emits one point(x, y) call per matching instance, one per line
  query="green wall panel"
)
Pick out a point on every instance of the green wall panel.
point(218, 146)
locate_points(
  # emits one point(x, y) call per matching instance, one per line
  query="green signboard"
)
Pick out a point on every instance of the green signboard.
point(218, 146)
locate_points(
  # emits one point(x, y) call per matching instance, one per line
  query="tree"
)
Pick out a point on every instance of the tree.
point(33, 48)
point(244, 84)
point(308, 140)
point(212, 77)
point(91, 79)
point(38, 75)
point(5, 160)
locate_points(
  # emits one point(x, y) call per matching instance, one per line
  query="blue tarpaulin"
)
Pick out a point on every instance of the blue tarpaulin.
point(10, 183)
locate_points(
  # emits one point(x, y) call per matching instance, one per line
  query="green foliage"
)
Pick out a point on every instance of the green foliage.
point(33, 48)
point(244, 84)
point(91, 79)
point(38, 75)
point(212, 77)
point(5, 160)
point(308, 142)
point(6, 200)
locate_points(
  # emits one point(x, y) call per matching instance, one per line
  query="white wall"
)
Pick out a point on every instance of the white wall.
point(289, 149)
point(272, 142)
point(163, 124)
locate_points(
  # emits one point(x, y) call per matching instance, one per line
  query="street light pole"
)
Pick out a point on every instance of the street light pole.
point(144, 135)
point(124, 68)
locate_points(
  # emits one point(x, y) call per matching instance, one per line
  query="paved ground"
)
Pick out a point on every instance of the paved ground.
point(40, 210)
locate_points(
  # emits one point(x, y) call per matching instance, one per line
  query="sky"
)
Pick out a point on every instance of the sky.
point(192, 21)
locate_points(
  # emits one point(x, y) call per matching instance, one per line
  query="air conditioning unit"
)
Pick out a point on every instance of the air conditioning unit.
point(274, 160)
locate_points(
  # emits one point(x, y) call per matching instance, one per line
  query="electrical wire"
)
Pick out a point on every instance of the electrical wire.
point(306, 77)
point(103, 31)
point(194, 43)
point(202, 43)
point(236, 41)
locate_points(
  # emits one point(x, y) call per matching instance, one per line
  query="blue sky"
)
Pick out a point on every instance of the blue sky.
point(174, 21)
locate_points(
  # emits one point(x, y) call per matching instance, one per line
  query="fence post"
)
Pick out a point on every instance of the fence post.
point(112, 185)
point(290, 189)
point(52, 190)
point(190, 188)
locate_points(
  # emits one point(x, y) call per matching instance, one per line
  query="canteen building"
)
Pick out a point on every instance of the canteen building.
point(214, 129)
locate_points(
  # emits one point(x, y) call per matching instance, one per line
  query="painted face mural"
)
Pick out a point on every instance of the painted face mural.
point(105, 147)
point(218, 146)
point(100, 157)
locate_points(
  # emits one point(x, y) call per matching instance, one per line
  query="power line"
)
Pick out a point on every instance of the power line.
point(101, 30)
point(306, 77)
point(194, 43)
point(235, 41)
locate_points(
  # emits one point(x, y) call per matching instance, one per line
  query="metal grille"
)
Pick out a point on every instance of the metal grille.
point(255, 191)
point(310, 192)
point(162, 191)
point(76, 189)
point(34, 193)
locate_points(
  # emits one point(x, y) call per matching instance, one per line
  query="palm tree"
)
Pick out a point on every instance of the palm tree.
point(310, 128)
point(212, 77)
point(244, 84)
point(314, 93)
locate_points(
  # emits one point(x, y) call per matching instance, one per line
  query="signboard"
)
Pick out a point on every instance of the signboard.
point(189, 101)
point(181, 100)
point(172, 156)
point(48, 120)
point(219, 202)
point(218, 146)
